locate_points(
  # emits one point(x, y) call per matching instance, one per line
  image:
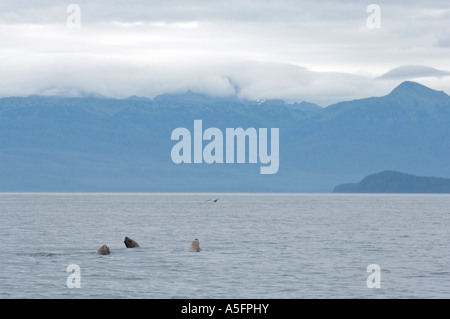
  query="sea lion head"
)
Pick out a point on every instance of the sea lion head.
point(195, 246)
point(104, 250)
point(130, 243)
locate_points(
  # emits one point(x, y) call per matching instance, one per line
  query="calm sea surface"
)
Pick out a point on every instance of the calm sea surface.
point(253, 245)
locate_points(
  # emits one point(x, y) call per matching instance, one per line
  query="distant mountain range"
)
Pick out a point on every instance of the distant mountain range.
point(396, 182)
point(93, 143)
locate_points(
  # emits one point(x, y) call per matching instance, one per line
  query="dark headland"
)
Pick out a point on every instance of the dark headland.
point(396, 182)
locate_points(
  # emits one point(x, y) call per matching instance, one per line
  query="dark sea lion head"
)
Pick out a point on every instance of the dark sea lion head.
point(130, 243)
point(195, 246)
point(104, 250)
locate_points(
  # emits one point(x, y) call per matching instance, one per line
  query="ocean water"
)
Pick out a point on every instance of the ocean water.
point(252, 245)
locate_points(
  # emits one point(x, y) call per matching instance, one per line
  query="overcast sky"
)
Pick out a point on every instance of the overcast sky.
point(316, 51)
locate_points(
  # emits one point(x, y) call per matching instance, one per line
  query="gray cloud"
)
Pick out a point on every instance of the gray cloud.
point(443, 41)
point(414, 71)
point(321, 52)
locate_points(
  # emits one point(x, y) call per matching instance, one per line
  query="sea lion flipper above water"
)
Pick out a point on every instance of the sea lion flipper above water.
point(104, 250)
point(130, 243)
point(195, 246)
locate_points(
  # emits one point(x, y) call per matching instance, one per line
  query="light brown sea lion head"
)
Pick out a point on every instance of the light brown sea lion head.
point(104, 250)
point(195, 246)
point(130, 243)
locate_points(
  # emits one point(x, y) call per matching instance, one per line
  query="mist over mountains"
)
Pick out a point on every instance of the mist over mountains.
point(92, 143)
